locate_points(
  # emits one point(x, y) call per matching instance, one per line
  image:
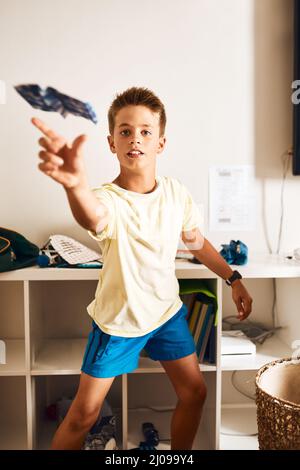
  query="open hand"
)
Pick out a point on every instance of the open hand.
point(62, 162)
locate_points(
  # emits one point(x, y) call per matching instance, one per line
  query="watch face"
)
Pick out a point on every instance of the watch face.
point(233, 277)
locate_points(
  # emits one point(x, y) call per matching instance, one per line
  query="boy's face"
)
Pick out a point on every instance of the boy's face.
point(136, 129)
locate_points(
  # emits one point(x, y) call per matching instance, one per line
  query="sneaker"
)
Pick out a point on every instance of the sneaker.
point(96, 442)
point(150, 434)
point(102, 435)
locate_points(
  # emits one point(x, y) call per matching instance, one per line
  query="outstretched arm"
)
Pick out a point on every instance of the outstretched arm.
point(64, 163)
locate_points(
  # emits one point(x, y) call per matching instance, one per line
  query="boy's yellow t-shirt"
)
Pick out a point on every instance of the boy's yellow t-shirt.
point(138, 290)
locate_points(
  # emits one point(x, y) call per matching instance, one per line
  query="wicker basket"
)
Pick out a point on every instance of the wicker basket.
point(278, 404)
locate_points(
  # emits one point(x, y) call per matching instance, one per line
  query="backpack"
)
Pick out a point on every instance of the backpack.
point(16, 251)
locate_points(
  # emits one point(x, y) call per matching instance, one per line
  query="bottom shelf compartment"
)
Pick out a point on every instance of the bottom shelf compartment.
point(13, 427)
point(162, 422)
point(151, 398)
point(238, 427)
point(50, 390)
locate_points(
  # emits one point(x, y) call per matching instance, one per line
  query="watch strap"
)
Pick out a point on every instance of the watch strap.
point(235, 275)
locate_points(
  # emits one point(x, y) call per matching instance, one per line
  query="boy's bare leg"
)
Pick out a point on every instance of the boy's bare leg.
point(190, 388)
point(83, 412)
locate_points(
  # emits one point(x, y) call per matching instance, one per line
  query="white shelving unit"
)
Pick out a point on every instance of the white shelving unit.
point(44, 324)
point(239, 427)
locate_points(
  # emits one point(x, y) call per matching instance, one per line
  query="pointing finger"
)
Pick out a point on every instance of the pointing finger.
point(45, 129)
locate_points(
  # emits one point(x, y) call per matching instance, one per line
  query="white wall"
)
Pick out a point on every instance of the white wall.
point(223, 70)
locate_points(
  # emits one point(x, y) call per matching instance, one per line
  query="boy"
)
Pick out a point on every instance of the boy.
point(137, 220)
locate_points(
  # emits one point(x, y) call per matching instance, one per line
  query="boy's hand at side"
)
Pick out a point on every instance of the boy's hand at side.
point(203, 250)
point(62, 162)
point(242, 299)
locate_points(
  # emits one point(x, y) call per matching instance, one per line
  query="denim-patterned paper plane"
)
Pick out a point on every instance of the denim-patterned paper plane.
point(49, 99)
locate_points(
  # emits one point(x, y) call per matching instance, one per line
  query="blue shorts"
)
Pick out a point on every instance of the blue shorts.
point(107, 355)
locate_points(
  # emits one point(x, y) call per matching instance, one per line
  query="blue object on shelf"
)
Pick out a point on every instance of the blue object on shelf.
point(235, 253)
point(43, 261)
point(92, 264)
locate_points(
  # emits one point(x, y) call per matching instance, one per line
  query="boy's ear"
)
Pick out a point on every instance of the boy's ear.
point(111, 143)
point(161, 144)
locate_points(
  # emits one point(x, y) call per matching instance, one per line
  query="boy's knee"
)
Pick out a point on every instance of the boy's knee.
point(83, 417)
point(199, 394)
point(195, 395)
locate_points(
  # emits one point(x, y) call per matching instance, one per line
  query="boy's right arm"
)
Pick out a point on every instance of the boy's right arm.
point(64, 163)
point(87, 210)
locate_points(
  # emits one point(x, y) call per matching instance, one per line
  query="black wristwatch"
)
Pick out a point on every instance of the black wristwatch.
point(235, 275)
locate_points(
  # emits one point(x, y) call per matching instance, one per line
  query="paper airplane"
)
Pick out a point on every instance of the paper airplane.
point(49, 99)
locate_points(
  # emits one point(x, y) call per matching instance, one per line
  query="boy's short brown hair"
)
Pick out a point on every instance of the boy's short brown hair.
point(137, 97)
